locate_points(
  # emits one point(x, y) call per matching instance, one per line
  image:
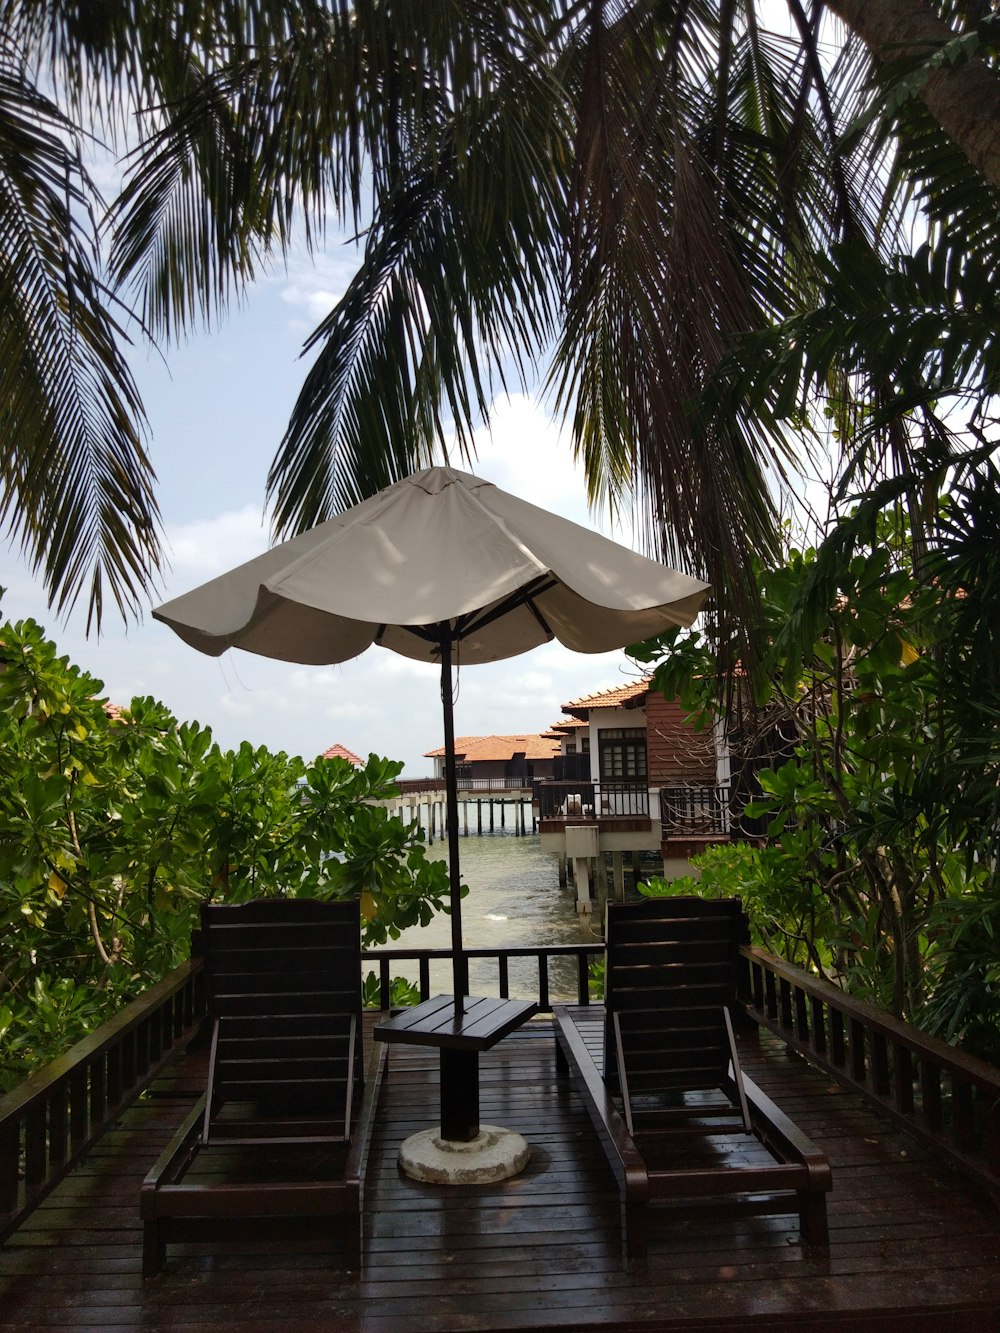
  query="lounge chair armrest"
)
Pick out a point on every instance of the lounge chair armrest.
point(357, 1154)
point(623, 1156)
point(784, 1138)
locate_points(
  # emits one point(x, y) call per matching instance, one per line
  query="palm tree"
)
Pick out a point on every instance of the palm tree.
point(630, 192)
point(620, 192)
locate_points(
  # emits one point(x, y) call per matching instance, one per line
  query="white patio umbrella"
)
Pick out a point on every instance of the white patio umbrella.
point(441, 566)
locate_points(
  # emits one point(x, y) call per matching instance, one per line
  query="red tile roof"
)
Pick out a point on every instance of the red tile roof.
point(342, 752)
point(479, 749)
point(565, 724)
point(618, 696)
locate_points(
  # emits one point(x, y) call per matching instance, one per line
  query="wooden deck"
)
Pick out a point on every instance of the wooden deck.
point(912, 1246)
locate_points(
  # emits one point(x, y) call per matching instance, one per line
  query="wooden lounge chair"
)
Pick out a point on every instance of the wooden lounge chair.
point(283, 1129)
point(677, 1118)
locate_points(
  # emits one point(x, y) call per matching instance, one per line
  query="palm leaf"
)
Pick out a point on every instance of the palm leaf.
point(76, 480)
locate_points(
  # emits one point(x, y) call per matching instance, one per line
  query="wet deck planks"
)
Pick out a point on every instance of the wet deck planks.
point(911, 1245)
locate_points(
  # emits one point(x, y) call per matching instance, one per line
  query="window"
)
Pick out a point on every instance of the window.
point(622, 754)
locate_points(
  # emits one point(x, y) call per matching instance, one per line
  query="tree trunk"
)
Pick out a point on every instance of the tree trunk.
point(965, 101)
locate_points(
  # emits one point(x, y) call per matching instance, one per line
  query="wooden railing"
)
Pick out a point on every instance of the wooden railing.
point(389, 963)
point(50, 1120)
point(948, 1099)
point(940, 1095)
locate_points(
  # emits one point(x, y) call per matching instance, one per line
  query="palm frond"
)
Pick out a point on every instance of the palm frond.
point(76, 479)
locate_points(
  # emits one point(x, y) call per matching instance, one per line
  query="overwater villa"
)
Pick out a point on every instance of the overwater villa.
point(499, 763)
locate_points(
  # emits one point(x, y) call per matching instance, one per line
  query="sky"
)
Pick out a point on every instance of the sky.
point(217, 407)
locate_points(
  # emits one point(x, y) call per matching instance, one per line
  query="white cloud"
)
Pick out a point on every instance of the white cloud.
point(201, 549)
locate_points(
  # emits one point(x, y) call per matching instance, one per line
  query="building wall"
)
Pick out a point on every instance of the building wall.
point(676, 752)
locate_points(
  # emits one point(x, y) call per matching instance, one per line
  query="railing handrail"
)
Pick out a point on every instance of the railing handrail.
point(948, 1099)
point(38, 1085)
point(878, 1020)
point(56, 1115)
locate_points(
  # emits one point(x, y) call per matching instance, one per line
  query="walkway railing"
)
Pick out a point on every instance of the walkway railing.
point(389, 962)
point(948, 1099)
point(57, 1113)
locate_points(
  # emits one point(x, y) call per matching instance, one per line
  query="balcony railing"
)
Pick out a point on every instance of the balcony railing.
point(50, 1120)
point(519, 782)
point(571, 960)
point(933, 1090)
point(592, 800)
point(696, 812)
point(936, 1092)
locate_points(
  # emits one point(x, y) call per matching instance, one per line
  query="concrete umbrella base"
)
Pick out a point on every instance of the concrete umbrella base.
point(494, 1154)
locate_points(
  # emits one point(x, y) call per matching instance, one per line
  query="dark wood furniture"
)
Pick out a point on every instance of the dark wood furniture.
point(283, 1128)
point(661, 1074)
point(459, 1033)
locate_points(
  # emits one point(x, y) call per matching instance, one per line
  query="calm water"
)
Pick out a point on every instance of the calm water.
point(514, 899)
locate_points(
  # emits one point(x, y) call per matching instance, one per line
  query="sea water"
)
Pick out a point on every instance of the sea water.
point(514, 900)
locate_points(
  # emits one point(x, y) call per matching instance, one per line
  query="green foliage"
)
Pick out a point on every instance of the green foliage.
point(868, 744)
point(114, 828)
point(402, 992)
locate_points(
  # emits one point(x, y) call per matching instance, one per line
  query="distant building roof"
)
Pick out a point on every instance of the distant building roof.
point(480, 749)
point(342, 752)
point(618, 696)
point(563, 725)
point(114, 711)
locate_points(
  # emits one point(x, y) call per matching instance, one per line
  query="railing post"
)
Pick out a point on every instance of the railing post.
point(543, 982)
point(858, 1063)
point(818, 1025)
point(34, 1145)
point(785, 993)
point(962, 1112)
point(930, 1088)
point(58, 1125)
point(880, 1064)
point(10, 1146)
point(837, 1039)
point(78, 1107)
point(903, 1086)
point(801, 1015)
point(583, 977)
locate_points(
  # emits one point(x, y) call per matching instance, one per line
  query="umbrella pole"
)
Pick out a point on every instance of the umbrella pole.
point(459, 963)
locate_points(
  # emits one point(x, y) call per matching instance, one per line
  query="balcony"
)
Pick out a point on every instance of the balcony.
point(912, 1129)
point(582, 801)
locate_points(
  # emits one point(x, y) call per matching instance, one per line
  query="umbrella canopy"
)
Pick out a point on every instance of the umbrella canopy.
point(441, 566)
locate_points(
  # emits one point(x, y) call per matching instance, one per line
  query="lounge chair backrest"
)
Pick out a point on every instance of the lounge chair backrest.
point(284, 980)
point(671, 969)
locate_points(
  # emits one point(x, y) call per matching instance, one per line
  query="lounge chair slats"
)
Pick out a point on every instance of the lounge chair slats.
point(284, 1126)
point(678, 1120)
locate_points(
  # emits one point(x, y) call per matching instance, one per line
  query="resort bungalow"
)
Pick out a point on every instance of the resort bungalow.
point(633, 776)
point(499, 763)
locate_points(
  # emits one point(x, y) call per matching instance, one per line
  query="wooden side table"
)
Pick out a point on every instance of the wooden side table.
point(459, 1036)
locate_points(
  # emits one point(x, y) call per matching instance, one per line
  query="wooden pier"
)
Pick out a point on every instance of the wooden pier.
point(485, 807)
